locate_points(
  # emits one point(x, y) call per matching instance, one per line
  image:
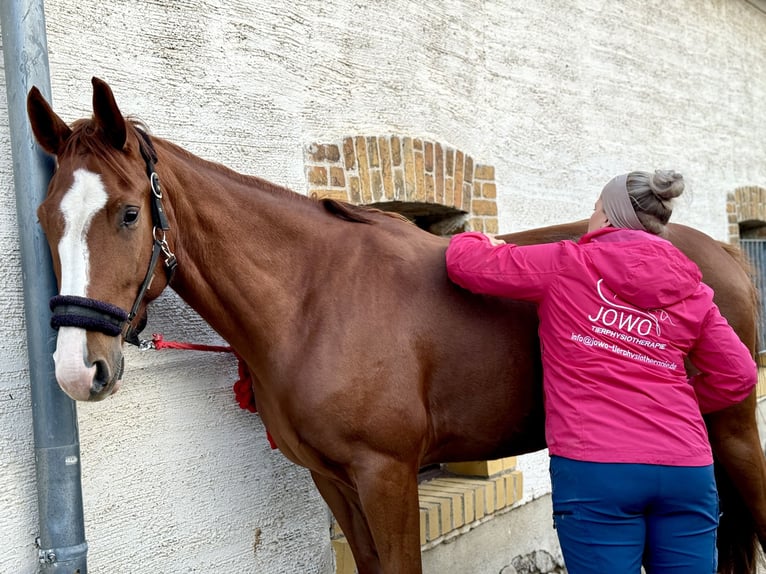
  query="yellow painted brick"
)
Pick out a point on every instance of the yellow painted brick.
point(349, 155)
point(468, 195)
point(445, 511)
point(376, 185)
point(484, 468)
point(439, 174)
point(409, 169)
point(399, 189)
point(317, 176)
point(458, 177)
point(500, 498)
point(396, 151)
point(324, 153)
point(509, 462)
point(510, 489)
point(480, 502)
point(518, 484)
point(423, 537)
point(489, 497)
point(488, 190)
point(420, 185)
point(491, 225)
point(484, 207)
point(372, 151)
point(364, 169)
point(462, 490)
point(428, 156)
point(760, 389)
point(484, 172)
point(386, 167)
point(335, 530)
point(433, 530)
point(344, 559)
point(468, 170)
point(474, 492)
point(455, 500)
point(354, 194)
point(337, 177)
point(430, 195)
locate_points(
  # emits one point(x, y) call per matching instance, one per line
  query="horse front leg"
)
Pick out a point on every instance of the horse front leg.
point(346, 508)
point(736, 444)
point(388, 492)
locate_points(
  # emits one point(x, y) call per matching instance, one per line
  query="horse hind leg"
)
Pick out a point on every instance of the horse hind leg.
point(742, 487)
point(345, 506)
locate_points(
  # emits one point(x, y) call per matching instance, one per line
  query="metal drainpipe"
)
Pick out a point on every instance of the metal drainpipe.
point(61, 543)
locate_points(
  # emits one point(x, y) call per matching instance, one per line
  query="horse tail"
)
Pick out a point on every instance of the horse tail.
point(738, 543)
point(737, 537)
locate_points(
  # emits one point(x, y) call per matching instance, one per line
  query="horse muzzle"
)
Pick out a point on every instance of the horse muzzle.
point(83, 374)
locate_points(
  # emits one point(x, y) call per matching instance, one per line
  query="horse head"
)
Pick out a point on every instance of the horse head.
point(100, 223)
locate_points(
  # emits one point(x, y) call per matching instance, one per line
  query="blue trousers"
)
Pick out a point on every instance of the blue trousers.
point(612, 518)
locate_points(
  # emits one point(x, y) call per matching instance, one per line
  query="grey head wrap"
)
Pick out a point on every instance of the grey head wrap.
point(617, 205)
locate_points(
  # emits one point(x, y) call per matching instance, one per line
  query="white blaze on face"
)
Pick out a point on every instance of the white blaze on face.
point(80, 204)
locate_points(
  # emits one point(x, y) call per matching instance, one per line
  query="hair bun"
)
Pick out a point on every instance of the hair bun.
point(666, 184)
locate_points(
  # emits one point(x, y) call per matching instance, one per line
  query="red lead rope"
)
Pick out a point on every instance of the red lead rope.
point(243, 388)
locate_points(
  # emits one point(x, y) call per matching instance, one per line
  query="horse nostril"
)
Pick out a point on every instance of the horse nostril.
point(102, 377)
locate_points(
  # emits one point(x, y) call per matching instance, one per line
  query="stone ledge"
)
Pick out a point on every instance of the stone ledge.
point(449, 506)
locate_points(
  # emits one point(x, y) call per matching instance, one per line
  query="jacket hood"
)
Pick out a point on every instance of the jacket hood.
point(645, 270)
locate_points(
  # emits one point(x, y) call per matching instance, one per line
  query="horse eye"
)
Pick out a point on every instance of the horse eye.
point(130, 216)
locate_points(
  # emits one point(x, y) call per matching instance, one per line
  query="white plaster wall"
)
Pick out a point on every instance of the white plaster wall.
point(18, 498)
point(557, 96)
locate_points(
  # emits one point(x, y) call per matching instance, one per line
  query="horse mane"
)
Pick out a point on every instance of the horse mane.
point(354, 213)
point(85, 133)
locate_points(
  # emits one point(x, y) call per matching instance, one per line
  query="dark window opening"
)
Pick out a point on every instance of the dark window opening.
point(432, 217)
point(752, 241)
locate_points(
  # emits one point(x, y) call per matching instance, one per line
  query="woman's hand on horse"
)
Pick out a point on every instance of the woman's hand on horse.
point(495, 240)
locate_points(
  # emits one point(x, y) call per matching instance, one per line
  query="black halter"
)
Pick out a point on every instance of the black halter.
point(94, 315)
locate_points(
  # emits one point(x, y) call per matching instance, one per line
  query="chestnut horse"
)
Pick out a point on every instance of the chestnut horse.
point(367, 362)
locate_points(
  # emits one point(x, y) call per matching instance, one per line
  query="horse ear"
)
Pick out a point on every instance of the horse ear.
point(108, 116)
point(50, 131)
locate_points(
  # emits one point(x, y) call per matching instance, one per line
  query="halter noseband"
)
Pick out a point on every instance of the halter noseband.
point(95, 315)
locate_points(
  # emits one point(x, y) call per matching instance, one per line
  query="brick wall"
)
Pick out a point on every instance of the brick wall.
point(373, 169)
point(744, 204)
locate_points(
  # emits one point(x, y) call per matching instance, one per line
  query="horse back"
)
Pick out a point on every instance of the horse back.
point(724, 268)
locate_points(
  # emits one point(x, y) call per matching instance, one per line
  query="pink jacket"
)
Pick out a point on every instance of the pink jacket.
point(619, 311)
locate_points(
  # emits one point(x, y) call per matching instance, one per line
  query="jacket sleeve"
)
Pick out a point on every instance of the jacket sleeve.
point(727, 370)
point(507, 270)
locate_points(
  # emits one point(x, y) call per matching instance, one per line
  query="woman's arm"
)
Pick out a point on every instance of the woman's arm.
point(487, 266)
point(727, 369)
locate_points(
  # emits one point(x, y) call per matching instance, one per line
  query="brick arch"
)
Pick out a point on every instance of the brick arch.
point(744, 204)
point(377, 169)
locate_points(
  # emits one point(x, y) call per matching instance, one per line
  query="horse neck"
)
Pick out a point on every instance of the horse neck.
point(239, 242)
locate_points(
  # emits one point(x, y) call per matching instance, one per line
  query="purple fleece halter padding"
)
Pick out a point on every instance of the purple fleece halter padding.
point(89, 314)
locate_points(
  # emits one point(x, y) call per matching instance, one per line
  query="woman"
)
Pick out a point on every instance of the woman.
point(631, 465)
